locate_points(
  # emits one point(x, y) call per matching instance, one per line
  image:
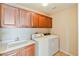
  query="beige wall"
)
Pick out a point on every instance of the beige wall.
point(65, 25)
point(78, 29)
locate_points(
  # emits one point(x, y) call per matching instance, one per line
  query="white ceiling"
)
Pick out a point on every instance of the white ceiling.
point(49, 9)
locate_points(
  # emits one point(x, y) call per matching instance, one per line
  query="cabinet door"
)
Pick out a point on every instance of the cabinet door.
point(30, 50)
point(49, 22)
point(42, 21)
point(45, 22)
point(19, 52)
point(34, 20)
point(9, 16)
point(26, 51)
point(25, 18)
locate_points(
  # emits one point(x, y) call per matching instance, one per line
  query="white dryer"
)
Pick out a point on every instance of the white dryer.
point(45, 45)
point(53, 44)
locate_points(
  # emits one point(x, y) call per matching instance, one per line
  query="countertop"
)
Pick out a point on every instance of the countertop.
point(16, 47)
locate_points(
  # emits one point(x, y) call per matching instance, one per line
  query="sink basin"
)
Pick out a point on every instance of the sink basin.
point(16, 43)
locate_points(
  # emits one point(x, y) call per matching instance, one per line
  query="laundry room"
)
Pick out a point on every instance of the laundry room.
point(38, 29)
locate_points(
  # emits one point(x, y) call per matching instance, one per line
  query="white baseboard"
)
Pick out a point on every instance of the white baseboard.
point(67, 52)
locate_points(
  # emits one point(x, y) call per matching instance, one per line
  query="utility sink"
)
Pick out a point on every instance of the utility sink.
point(16, 43)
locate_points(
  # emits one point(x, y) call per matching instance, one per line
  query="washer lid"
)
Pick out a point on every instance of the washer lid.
point(51, 36)
point(40, 39)
point(37, 35)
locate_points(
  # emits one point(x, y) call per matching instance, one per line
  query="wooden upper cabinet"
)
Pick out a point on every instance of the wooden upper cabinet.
point(45, 22)
point(34, 20)
point(25, 18)
point(42, 21)
point(49, 22)
point(16, 17)
point(9, 15)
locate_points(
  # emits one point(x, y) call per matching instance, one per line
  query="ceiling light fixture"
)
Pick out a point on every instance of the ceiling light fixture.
point(44, 4)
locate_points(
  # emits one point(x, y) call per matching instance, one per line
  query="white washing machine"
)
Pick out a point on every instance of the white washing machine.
point(45, 45)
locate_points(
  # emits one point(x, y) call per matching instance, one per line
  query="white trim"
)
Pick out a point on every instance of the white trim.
point(67, 53)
